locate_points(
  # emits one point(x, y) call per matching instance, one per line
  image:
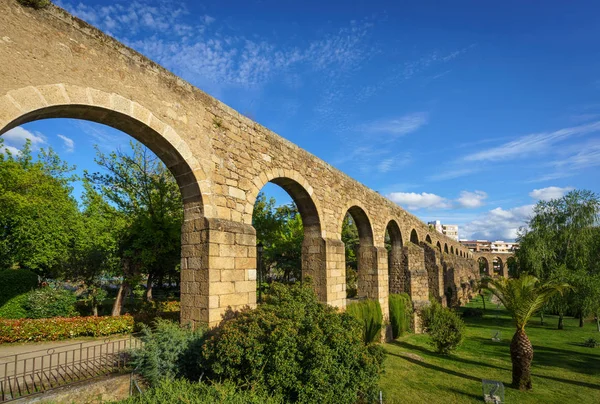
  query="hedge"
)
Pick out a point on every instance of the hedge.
point(400, 313)
point(368, 312)
point(58, 328)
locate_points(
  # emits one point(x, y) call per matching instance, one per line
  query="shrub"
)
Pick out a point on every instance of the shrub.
point(50, 302)
point(444, 326)
point(58, 328)
point(14, 282)
point(295, 348)
point(36, 4)
point(183, 391)
point(167, 352)
point(400, 313)
point(15, 308)
point(368, 312)
point(591, 343)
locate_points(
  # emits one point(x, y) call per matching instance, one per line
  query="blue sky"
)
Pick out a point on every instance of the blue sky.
point(467, 112)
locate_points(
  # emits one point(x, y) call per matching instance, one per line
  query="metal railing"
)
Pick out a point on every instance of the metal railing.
point(38, 371)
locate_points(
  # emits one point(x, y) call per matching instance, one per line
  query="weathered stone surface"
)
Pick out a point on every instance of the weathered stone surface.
point(54, 65)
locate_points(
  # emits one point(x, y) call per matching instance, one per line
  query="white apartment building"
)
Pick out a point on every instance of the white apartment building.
point(450, 230)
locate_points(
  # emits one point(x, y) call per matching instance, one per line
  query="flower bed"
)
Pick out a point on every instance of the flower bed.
point(58, 328)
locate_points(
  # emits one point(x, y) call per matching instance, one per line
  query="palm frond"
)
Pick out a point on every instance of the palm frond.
point(524, 296)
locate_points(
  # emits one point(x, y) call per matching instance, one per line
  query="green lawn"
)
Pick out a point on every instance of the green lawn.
point(563, 370)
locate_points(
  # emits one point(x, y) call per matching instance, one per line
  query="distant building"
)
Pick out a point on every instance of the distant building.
point(489, 246)
point(450, 230)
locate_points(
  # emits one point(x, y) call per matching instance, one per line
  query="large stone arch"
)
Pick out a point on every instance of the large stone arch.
point(414, 237)
point(67, 101)
point(396, 264)
point(313, 246)
point(33, 103)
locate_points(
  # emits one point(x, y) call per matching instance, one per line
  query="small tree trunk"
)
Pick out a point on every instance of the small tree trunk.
point(560, 322)
point(95, 309)
point(598, 322)
point(521, 353)
point(581, 319)
point(120, 300)
point(149, 288)
point(542, 317)
point(483, 300)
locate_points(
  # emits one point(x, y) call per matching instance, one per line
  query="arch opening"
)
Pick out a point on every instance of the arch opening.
point(414, 237)
point(184, 171)
point(484, 267)
point(428, 239)
point(288, 236)
point(498, 266)
point(439, 246)
point(396, 266)
point(357, 236)
point(446, 248)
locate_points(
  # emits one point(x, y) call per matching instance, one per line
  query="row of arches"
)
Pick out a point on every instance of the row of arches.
point(198, 204)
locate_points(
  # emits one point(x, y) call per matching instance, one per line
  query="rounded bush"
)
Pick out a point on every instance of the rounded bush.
point(49, 302)
point(295, 348)
point(14, 282)
point(444, 326)
point(15, 308)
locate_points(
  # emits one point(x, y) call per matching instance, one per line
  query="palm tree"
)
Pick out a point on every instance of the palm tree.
point(523, 297)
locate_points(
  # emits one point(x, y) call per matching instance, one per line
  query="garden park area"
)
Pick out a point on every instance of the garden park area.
point(563, 370)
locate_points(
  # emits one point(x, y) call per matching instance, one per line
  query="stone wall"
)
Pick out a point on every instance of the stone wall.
point(54, 65)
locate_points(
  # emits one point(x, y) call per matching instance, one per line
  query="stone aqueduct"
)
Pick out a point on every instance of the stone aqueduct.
point(54, 65)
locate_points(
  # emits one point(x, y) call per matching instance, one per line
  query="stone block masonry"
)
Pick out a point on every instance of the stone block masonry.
point(53, 65)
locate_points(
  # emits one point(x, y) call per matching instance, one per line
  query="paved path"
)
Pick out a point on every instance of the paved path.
point(27, 347)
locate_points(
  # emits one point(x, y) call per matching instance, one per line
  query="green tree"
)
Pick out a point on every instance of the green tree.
point(94, 253)
point(37, 212)
point(142, 189)
point(523, 297)
point(351, 244)
point(558, 245)
point(281, 233)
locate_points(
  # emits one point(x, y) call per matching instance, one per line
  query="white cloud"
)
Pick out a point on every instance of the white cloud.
point(15, 138)
point(451, 174)
point(216, 55)
point(397, 126)
point(414, 201)
point(527, 145)
point(497, 224)
point(19, 135)
point(69, 143)
point(13, 150)
point(472, 199)
point(545, 194)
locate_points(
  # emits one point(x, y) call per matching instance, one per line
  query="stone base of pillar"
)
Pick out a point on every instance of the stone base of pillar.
point(218, 269)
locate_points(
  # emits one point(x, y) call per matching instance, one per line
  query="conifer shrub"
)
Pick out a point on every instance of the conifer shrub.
point(400, 313)
point(295, 348)
point(368, 312)
point(169, 351)
point(444, 326)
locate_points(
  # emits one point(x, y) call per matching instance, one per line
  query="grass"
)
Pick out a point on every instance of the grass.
point(563, 371)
